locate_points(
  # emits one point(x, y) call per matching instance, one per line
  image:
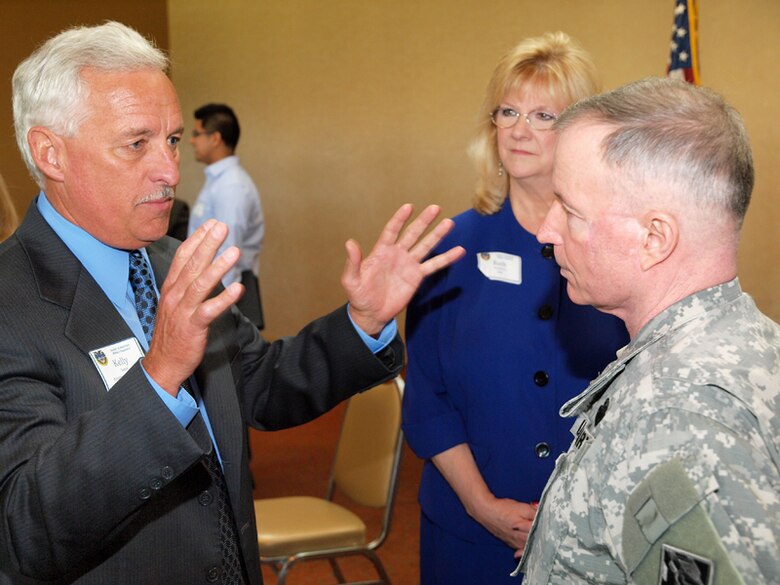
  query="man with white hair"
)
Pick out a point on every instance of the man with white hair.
point(674, 472)
point(124, 380)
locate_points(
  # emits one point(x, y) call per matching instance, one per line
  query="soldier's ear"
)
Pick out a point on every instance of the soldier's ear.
point(662, 234)
point(48, 152)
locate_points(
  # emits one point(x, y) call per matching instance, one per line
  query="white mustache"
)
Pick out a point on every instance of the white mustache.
point(163, 194)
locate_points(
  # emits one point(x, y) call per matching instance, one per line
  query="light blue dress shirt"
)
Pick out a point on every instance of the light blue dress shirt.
point(230, 196)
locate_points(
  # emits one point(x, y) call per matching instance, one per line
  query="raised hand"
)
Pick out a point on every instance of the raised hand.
point(185, 311)
point(381, 285)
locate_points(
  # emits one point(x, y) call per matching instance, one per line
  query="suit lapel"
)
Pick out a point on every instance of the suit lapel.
point(93, 321)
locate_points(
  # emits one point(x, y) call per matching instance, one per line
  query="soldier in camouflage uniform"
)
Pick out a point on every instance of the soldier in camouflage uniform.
point(673, 476)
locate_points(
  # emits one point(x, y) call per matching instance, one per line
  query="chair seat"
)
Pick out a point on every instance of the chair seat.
point(300, 523)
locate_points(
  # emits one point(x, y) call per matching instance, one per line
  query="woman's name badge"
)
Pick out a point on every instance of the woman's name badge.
point(500, 266)
point(113, 361)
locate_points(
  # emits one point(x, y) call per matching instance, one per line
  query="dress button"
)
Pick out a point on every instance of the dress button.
point(167, 473)
point(156, 484)
point(542, 450)
point(541, 378)
point(545, 312)
point(212, 574)
point(205, 498)
point(145, 493)
point(548, 252)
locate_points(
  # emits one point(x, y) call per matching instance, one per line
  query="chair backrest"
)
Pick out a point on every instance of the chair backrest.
point(369, 448)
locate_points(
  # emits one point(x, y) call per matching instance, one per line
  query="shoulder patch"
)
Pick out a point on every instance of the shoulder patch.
point(680, 567)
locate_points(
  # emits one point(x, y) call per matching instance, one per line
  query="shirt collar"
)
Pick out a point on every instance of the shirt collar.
point(219, 167)
point(690, 308)
point(108, 266)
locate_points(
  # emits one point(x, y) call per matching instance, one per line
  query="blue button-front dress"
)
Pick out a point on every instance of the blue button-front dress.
point(490, 364)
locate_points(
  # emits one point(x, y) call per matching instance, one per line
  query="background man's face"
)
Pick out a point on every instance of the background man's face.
point(202, 143)
point(122, 164)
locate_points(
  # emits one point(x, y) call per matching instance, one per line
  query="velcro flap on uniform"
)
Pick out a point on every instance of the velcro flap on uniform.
point(651, 522)
point(660, 500)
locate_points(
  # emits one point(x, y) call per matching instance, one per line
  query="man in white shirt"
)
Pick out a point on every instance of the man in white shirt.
point(229, 194)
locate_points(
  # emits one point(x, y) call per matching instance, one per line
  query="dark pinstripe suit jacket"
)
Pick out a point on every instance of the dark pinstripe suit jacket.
point(103, 486)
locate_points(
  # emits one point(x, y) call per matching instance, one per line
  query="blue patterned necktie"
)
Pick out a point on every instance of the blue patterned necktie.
point(143, 290)
point(146, 307)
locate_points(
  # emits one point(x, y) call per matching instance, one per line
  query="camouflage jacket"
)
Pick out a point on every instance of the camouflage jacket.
point(677, 448)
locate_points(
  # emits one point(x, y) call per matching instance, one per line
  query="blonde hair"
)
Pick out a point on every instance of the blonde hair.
point(552, 62)
point(8, 217)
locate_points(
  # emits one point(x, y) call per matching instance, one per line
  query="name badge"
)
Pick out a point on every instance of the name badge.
point(500, 266)
point(113, 361)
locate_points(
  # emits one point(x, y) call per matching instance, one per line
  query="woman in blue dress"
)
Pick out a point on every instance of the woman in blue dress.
point(495, 345)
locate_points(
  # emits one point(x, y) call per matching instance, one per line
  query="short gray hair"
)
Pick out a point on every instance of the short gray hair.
point(674, 132)
point(47, 86)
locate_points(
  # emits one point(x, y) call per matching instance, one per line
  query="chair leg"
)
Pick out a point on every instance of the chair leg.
point(281, 574)
point(334, 565)
point(380, 568)
point(282, 569)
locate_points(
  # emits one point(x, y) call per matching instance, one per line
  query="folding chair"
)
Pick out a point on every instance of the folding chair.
point(365, 469)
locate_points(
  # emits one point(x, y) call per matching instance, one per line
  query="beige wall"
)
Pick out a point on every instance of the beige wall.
point(25, 24)
point(350, 108)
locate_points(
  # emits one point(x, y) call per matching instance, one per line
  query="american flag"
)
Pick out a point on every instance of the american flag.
point(684, 54)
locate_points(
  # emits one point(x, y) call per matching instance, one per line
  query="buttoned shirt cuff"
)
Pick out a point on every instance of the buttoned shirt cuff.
point(385, 337)
point(183, 406)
